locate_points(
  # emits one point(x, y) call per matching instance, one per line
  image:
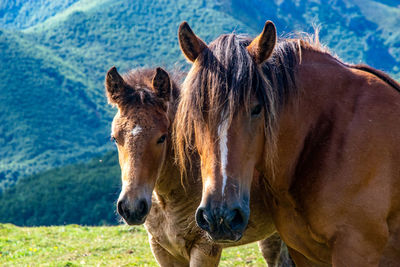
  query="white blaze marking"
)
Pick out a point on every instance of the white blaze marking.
point(136, 130)
point(223, 140)
point(207, 184)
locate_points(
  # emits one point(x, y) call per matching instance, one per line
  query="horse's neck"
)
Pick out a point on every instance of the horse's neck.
point(309, 117)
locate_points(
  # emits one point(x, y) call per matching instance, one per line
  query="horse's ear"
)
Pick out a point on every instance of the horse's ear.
point(115, 86)
point(262, 46)
point(162, 84)
point(190, 44)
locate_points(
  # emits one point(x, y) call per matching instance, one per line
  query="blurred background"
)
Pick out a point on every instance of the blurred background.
point(57, 164)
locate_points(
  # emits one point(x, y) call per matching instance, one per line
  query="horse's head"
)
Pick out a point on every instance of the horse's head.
point(140, 130)
point(223, 106)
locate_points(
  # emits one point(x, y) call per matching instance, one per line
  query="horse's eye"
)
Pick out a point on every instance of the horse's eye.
point(256, 110)
point(161, 139)
point(114, 139)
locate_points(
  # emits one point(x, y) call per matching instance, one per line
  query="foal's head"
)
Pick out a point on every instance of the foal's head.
point(140, 131)
point(224, 101)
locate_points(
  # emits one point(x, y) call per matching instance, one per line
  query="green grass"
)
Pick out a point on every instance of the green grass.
point(74, 245)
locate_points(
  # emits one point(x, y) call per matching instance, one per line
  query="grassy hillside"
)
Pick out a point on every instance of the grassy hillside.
point(83, 193)
point(357, 30)
point(62, 63)
point(128, 35)
point(47, 117)
point(24, 14)
point(52, 106)
point(74, 245)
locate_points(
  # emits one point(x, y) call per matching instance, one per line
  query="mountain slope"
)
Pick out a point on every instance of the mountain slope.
point(24, 14)
point(357, 30)
point(52, 105)
point(83, 193)
point(128, 34)
point(45, 113)
point(55, 73)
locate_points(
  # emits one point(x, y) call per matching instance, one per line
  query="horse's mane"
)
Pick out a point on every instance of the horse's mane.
point(224, 79)
point(380, 74)
point(140, 81)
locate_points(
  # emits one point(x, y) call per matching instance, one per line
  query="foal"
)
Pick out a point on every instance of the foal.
point(152, 192)
point(325, 134)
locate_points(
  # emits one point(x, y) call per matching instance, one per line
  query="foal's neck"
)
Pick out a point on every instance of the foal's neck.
point(169, 183)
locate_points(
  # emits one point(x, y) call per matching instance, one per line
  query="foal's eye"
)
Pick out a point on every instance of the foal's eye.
point(256, 110)
point(162, 139)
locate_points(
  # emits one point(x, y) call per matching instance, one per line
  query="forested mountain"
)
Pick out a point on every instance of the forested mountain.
point(83, 193)
point(21, 14)
point(54, 55)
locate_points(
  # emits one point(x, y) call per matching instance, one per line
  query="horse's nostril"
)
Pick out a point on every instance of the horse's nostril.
point(237, 219)
point(201, 219)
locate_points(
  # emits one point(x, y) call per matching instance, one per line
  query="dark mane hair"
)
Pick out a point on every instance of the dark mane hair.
point(380, 74)
point(225, 78)
point(141, 88)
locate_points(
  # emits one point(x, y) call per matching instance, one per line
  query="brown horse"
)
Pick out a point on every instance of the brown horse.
point(146, 101)
point(325, 134)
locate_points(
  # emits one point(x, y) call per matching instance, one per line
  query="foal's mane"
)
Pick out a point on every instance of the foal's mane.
point(140, 91)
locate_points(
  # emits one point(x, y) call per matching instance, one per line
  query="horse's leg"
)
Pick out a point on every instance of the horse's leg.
point(270, 249)
point(163, 257)
point(205, 255)
point(273, 252)
point(353, 249)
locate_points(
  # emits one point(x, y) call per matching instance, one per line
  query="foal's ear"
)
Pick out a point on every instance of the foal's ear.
point(262, 46)
point(190, 44)
point(162, 84)
point(115, 86)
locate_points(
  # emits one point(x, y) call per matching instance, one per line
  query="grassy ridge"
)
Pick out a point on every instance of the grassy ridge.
point(74, 245)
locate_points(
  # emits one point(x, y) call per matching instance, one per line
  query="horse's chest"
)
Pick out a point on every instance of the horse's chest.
point(297, 234)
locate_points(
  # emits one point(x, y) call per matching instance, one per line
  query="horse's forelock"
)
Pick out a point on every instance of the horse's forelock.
point(223, 80)
point(219, 84)
point(227, 77)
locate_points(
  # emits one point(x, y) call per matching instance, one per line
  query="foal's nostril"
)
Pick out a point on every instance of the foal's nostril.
point(142, 208)
point(122, 209)
point(119, 207)
point(201, 219)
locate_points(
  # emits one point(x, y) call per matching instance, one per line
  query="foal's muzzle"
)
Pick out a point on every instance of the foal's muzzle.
point(223, 224)
point(133, 213)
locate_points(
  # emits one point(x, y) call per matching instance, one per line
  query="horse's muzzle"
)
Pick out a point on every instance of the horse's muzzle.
point(223, 225)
